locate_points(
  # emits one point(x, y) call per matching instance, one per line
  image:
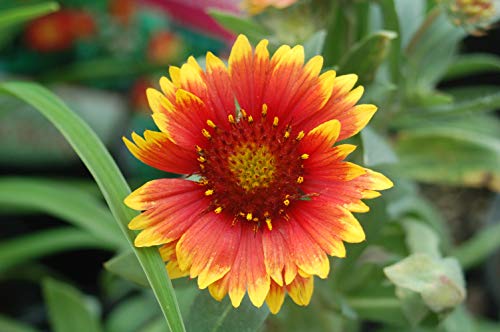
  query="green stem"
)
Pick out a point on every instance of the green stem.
point(429, 20)
point(475, 250)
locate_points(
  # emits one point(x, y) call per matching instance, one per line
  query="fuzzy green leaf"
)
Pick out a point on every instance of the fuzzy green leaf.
point(439, 281)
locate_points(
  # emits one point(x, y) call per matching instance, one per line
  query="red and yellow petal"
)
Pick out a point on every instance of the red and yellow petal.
point(208, 248)
point(157, 150)
point(249, 73)
point(307, 255)
point(275, 297)
point(301, 289)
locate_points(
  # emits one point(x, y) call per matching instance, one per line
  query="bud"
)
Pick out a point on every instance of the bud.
point(474, 16)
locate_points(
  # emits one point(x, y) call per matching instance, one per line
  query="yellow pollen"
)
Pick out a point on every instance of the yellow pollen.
point(218, 210)
point(269, 225)
point(198, 148)
point(253, 166)
point(286, 202)
point(206, 133)
point(300, 135)
point(202, 166)
point(300, 179)
point(230, 118)
point(287, 134)
point(211, 124)
point(250, 119)
point(201, 159)
point(243, 113)
point(304, 156)
point(249, 216)
point(275, 121)
point(264, 110)
point(209, 192)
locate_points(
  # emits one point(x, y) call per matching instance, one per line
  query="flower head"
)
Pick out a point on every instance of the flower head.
point(274, 195)
point(473, 15)
point(257, 6)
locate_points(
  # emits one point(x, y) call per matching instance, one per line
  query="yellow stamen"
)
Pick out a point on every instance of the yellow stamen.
point(230, 118)
point(218, 210)
point(249, 216)
point(243, 113)
point(209, 192)
point(264, 110)
point(211, 124)
point(275, 121)
point(250, 119)
point(286, 202)
point(287, 134)
point(269, 225)
point(300, 135)
point(304, 156)
point(198, 148)
point(201, 159)
point(206, 133)
point(300, 179)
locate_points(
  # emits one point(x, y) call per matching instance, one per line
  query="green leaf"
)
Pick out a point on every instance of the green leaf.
point(15, 16)
point(460, 152)
point(439, 281)
point(127, 266)
point(365, 57)
point(109, 179)
point(68, 308)
point(10, 325)
point(391, 22)
point(208, 315)
point(410, 16)
point(132, 314)
point(254, 31)
point(23, 248)
point(472, 64)
point(484, 103)
point(420, 238)
point(376, 149)
point(63, 201)
point(314, 45)
point(430, 52)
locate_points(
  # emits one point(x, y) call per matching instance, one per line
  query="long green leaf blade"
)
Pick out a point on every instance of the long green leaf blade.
point(63, 201)
point(29, 247)
point(109, 179)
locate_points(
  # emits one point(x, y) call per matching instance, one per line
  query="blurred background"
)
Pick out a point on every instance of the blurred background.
point(99, 56)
